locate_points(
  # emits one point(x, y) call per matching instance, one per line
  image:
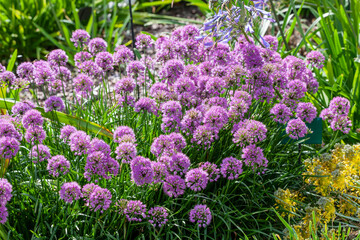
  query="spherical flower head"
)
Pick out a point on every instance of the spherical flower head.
point(272, 41)
point(2, 68)
point(172, 70)
point(251, 56)
point(70, 191)
point(238, 109)
point(83, 84)
point(253, 156)
point(35, 135)
point(281, 113)
point(135, 69)
point(192, 119)
point(79, 142)
point(66, 131)
point(104, 60)
point(5, 191)
point(43, 74)
point(158, 216)
point(161, 145)
point(160, 171)
point(57, 58)
point(9, 147)
point(264, 94)
point(342, 123)
point(306, 112)
point(192, 71)
point(100, 165)
point(54, 103)
point(126, 152)
point(183, 85)
point(196, 179)
point(124, 85)
point(97, 45)
point(87, 189)
point(316, 59)
point(143, 41)
point(296, 89)
point(295, 67)
point(178, 140)
point(80, 38)
point(7, 78)
point(20, 108)
point(256, 131)
point(200, 215)
point(122, 131)
point(231, 168)
point(123, 55)
point(340, 106)
point(215, 86)
point(7, 129)
point(135, 211)
point(3, 214)
point(99, 199)
point(147, 105)
point(91, 69)
point(215, 118)
point(296, 128)
point(179, 164)
point(32, 118)
point(58, 165)
point(243, 95)
point(211, 169)
point(174, 186)
point(172, 109)
point(40, 153)
point(99, 145)
point(25, 70)
point(81, 57)
point(62, 73)
point(190, 32)
point(204, 136)
point(141, 170)
point(127, 138)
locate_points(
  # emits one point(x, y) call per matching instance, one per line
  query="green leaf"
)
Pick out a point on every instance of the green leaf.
point(12, 60)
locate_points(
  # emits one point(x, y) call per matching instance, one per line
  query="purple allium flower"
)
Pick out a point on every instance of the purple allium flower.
point(83, 84)
point(122, 55)
point(66, 131)
point(204, 136)
point(124, 85)
point(296, 89)
point(192, 119)
point(147, 105)
point(87, 189)
point(189, 32)
point(215, 118)
point(5, 191)
point(104, 60)
point(127, 138)
point(172, 70)
point(81, 57)
point(316, 59)
point(340, 106)
point(54, 103)
point(196, 179)
point(174, 186)
point(159, 91)
point(179, 164)
point(40, 153)
point(201, 215)
point(306, 111)
point(295, 67)
point(243, 95)
point(79, 142)
point(128, 100)
point(211, 169)
point(264, 94)
point(99, 145)
point(158, 216)
point(7, 78)
point(170, 124)
point(122, 131)
point(70, 191)
point(63, 74)
point(161, 145)
point(32, 118)
point(183, 85)
point(9, 147)
point(219, 71)
point(206, 68)
point(3, 214)
point(280, 113)
point(58, 165)
point(135, 69)
point(160, 171)
point(135, 211)
point(272, 41)
point(253, 156)
point(25, 70)
point(2, 68)
point(99, 199)
point(296, 128)
point(191, 71)
point(141, 170)
point(97, 45)
point(80, 38)
point(20, 108)
point(231, 168)
point(91, 69)
point(143, 41)
point(100, 165)
point(35, 134)
point(56, 85)
point(327, 114)
point(43, 74)
point(172, 109)
point(178, 140)
point(57, 58)
point(237, 110)
point(7, 129)
point(252, 57)
point(342, 123)
point(126, 152)
point(214, 86)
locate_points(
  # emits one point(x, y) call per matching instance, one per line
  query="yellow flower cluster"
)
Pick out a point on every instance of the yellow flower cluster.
point(286, 200)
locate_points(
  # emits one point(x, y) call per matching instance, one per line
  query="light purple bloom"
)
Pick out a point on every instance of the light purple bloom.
point(5, 191)
point(316, 59)
point(174, 186)
point(340, 106)
point(9, 147)
point(70, 191)
point(143, 41)
point(40, 153)
point(35, 134)
point(57, 58)
point(296, 128)
point(32, 118)
point(66, 131)
point(211, 169)
point(97, 45)
point(135, 211)
point(54, 103)
point(126, 152)
point(281, 113)
point(196, 179)
point(79, 142)
point(201, 215)
point(253, 156)
point(80, 38)
point(231, 168)
point(158, 216)
point(104, 60)
point(58, 165)
point(179, 164)
point(141, 170)
point(306, 111)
